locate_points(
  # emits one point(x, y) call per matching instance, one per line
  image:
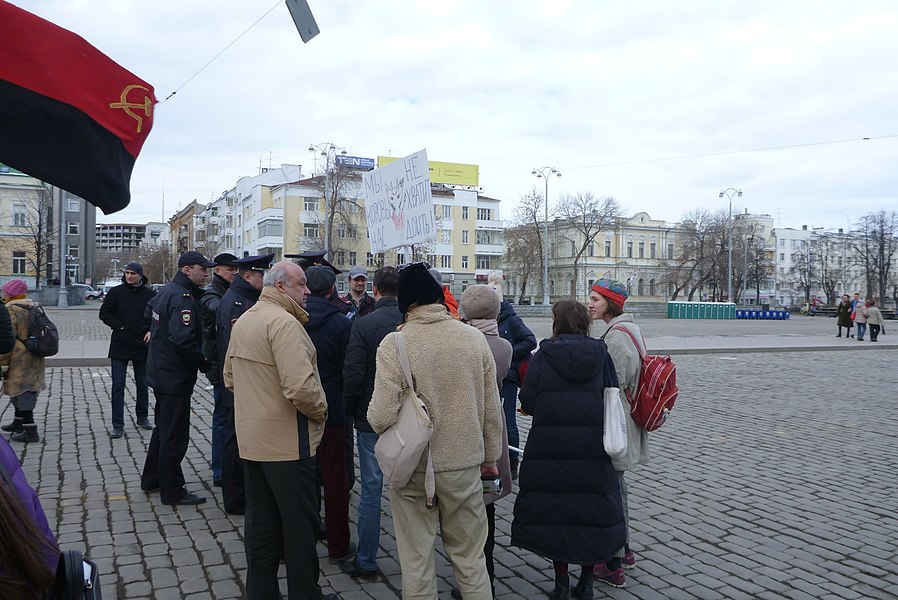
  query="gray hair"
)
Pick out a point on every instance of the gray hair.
point(274, 275)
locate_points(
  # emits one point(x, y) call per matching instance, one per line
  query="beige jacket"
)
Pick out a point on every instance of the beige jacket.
point(874, 316)
point(24, 370)
point(627, 365)
point(271, 365)
point(455, 375)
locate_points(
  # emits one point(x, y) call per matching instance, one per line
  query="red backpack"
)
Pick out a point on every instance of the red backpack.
point(657, 390)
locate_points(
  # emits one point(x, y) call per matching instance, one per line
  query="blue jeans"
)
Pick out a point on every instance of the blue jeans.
point(861, 330)
point(119, 375)
point(219, 432)
point(369, 501)
point(510, 406)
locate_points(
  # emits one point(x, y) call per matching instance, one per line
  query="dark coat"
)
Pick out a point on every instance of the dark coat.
point(239, 298)
point(176, 337)
point(124, 310)
point(7, 335)
point(512, 328)
point(208, 313)
point(569, 506)
point(361, 356)
point(364, 307)
point(329, 330)
point(843, 315)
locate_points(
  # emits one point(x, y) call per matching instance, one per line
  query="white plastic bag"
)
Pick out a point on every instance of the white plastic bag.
point(615, 434)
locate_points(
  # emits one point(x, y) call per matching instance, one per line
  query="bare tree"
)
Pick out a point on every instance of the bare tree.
point(803, 272)
point(36, 222)
point(523, 256)
point(530, 214)
point(827, 266)
point(693, 265)
point(585, 216)
point(876, 247)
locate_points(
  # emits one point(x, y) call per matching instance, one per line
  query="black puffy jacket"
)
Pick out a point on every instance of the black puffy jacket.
point(568, 507)
point(329, 329)
point(240, 297)
point(124, 310)
point(522, 340)
point(208, 313)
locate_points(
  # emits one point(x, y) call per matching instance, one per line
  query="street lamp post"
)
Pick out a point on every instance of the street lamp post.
point(327, 150)
point(545, 173)
point(729, 193)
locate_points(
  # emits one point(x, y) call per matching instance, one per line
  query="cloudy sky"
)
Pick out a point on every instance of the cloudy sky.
point(659, 104)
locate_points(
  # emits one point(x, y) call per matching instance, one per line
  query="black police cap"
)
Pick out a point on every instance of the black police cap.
point(260, 262)
point(225, 259)
point(193, 257)
point(310, 258)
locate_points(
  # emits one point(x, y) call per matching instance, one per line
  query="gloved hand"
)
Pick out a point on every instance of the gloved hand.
point(205, 366)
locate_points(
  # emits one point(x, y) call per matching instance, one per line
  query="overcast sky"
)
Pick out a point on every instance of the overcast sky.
point(597, 89)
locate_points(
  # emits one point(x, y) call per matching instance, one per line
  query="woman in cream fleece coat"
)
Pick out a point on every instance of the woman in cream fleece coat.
point(455, 375)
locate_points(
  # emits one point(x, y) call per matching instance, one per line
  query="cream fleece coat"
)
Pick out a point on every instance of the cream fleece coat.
point(455, 375)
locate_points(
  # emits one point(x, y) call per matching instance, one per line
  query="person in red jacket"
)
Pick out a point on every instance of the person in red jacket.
point(448, 299)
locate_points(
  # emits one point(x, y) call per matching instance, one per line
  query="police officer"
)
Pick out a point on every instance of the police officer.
point(224, 273)
point(175, 354)
point(240, 297)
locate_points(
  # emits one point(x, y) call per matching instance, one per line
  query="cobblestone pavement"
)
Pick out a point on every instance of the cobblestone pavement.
point(775, 479)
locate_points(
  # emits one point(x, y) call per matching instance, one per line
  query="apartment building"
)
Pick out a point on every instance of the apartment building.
point(122, 238)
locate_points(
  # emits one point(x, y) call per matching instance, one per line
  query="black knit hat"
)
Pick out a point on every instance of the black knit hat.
point(320, 279)
point(417, 286)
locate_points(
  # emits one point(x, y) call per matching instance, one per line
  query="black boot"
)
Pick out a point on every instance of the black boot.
point(583, 589)
point(562, 589)
point(28, 434)
point(14, 426)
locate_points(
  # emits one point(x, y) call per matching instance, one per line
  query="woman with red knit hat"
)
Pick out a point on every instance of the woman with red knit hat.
point(606, 303)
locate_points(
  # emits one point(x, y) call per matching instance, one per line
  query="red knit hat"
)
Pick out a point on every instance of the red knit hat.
point(612, 289)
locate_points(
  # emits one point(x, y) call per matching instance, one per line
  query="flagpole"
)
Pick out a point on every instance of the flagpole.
point(63, 301)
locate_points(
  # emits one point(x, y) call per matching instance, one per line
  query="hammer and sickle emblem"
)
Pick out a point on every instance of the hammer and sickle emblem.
point(126, 106)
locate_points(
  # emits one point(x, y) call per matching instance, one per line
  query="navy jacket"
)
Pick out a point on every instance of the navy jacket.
point(124, 310)
point(329, 330)
point(208, 313)
point(176, 337)
point(239, 298)
point(522, 340)
point(568, 507)
point(361, 354)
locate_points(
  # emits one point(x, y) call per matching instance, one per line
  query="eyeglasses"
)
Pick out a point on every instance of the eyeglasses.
point(401, 268)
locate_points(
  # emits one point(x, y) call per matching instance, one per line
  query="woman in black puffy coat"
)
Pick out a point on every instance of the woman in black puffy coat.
point(569, 507)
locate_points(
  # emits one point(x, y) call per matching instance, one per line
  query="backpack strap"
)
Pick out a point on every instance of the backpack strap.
point(642, 349)
point(429, 478)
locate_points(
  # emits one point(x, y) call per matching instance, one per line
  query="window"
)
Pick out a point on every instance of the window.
point(639, 287)
point(670, 251)
point(483, 214)
point(484, 261)
point(793, 243)
point(341, 257)
point(369, 259)
point(607, 248)
point(782, 256)
point(19, 216)
point(18, 263)
point(465, 235)
point(464, 213)
point(591, 251)
point(652, 251)
point(629, 249)
point(354, 232)
point(311, 204)
point(73, 205)
point(651, 287)
point(446, 261)
point(447, 211)
point(341, 230)
point(446, 236)
point(272, 227)
point(641, 249)
point(73, 228)
point(310, 231)
point(353, 258)
point(432, 259)
point(782, 243)
point(485, 237)
point(464, 262)
point(74, 251)
point(400, 258)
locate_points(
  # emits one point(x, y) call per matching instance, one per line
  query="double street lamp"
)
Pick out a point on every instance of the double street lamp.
point(729, 193)
point(327, 150)
point(545, 173)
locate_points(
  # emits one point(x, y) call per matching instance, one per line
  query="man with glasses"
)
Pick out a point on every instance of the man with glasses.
point(124, 311)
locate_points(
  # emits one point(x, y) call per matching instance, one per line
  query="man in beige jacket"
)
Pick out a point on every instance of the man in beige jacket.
point(279, 411)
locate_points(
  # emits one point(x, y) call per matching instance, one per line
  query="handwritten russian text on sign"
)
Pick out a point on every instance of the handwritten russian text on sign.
point(398, 204)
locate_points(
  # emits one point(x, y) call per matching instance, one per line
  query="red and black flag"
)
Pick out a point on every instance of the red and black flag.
point(69, 115)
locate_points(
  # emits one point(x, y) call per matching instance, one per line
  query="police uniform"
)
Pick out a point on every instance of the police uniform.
point(239, 298)
point(175, 354)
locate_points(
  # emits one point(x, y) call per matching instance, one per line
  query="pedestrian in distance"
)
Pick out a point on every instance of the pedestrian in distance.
point(448, 297)
point(175, 355)
point(124, 310)
point(358, 385)
point(362, 303)
point(568, 507)
point(242, 294)
point(223, 274)
point(606, 304)
point(874, 319)
point(455, 376)
point(24, 371)
point(843, 316)
point(513, 329)
point(860, 319)
point(280, 410)
point(329, 331)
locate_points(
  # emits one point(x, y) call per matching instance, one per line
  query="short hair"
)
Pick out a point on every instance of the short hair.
point(570, 316)
point(274, 275)
point(386, 280)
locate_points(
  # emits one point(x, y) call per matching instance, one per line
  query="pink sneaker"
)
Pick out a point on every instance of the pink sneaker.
point(629, 560)
point(615, 578)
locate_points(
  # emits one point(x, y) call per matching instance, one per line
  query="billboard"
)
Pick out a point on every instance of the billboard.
point(444, 172)
point(355, 162)
point(398, 204)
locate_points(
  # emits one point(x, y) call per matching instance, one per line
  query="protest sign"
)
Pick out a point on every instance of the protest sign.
point(398, 204)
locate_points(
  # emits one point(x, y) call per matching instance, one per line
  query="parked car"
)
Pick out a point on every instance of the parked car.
point(89, 292)
point(110, 284)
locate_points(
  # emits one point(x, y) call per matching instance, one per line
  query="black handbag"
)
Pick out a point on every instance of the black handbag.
point(77, 578)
